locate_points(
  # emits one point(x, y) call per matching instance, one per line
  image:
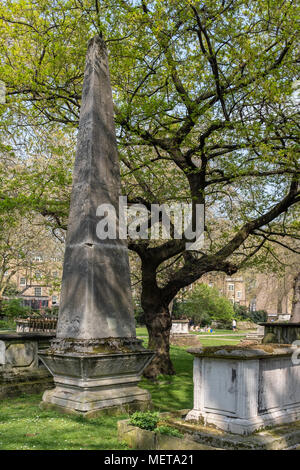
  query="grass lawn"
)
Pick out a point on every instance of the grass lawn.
point(24, 426)
point(223, 332)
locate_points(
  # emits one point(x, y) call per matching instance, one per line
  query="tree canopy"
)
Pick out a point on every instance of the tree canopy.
point(205, 113)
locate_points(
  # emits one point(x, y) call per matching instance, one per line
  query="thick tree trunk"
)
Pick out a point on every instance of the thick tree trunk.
point(158, 322)
point(295, 317)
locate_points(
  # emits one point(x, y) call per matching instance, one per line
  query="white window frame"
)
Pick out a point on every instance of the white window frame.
point(35, 290)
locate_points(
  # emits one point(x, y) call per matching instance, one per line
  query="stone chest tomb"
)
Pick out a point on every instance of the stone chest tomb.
point(241, 390)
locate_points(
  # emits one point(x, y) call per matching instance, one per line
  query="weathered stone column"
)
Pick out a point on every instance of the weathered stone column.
point(295, 315)
point(96, 359)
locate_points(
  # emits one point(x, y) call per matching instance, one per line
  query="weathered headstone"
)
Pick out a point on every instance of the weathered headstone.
point(180, 327)
point(180, 336)
point(20, 370)
point(96, 359)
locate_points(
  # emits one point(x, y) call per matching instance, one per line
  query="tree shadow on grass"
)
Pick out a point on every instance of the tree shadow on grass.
point(170, 393)
point(23, 425)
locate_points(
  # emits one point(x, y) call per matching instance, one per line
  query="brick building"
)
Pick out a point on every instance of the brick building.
point(39, 284)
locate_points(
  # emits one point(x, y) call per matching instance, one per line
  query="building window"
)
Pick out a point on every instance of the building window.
point(231, 287)
point(38, 258)
point(38, 275)
point(22, 281)
point(54, 299)
point(239, 294)
point(37, 291)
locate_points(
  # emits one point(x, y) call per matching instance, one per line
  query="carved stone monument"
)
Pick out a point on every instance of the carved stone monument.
point(244, 389)
point(180, 327)
point(180, 336)
point(96, 359)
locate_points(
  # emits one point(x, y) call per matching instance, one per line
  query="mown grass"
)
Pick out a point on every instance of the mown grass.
point(24, 426)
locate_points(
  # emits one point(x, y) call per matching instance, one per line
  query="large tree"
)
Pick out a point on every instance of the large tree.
point(204, 114)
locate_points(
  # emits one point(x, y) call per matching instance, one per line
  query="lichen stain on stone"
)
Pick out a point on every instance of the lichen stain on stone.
point(96, 346)
point(270, 348)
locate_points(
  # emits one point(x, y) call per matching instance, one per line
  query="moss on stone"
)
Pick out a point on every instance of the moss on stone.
point(249, 350)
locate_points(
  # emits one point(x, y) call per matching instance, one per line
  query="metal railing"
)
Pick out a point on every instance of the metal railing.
point(36, 324)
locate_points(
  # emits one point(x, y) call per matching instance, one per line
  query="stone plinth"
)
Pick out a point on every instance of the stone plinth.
point(21, 350)
point(241, 390)
point(90, 382)
point(201, 437)
point(282, 333)
point(182, 339)
point(180, 327)
point(180, 336)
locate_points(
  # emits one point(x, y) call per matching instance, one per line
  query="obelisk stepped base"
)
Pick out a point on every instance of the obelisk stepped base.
point(90, 384)
point(93, 404)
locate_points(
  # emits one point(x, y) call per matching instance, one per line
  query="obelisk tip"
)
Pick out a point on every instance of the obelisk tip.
point(97, 40)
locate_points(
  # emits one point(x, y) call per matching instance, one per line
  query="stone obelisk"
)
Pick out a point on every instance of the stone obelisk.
point(96, 359)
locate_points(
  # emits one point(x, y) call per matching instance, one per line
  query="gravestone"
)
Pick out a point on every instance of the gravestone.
point(20, 369)
point(180, 327)
point(180, 336)
point(96, 359)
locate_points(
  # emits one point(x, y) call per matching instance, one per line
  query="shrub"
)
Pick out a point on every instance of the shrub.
point(241, 312)
point(138, 312)
point(259, 316)
point(145, 420)
point(168, 431)
point(7, 325)
point(53, 311)
point(256, 316)
point(205, 304)
point(13, 308)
